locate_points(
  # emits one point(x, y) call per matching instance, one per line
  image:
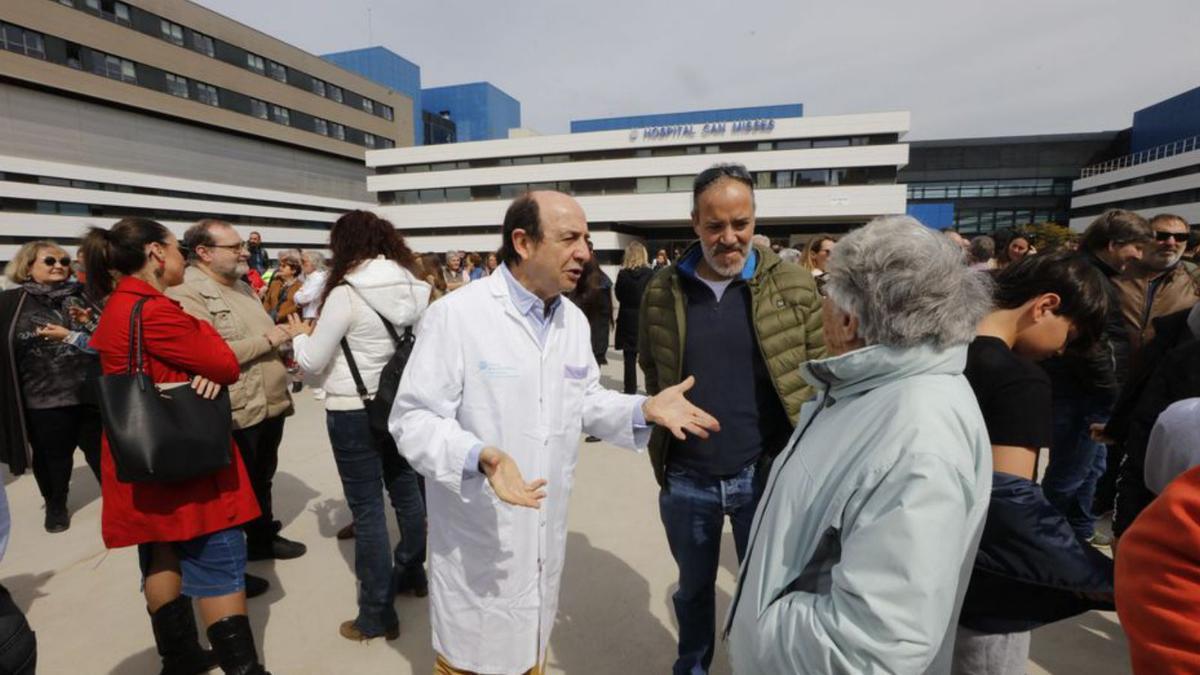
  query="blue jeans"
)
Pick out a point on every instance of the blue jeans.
point(376, 566)
point(693, 508)
point(1076, 461)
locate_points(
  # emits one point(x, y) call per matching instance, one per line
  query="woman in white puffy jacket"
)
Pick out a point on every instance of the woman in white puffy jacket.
point(371, 281)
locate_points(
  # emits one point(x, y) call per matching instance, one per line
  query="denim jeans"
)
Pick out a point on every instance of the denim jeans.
point(1076, 461)
point(361, 469)
point(693, 508)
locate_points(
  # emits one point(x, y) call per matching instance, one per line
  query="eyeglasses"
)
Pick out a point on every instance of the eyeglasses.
point(1164, 236)
point(50, 260)
point(236, 248)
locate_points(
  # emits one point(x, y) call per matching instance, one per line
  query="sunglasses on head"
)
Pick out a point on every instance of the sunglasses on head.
point(1177, 236)
point(50, 260)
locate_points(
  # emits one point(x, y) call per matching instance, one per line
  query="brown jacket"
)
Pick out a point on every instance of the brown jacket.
point(280, 300)
point(262, 390)
point(1179, 290)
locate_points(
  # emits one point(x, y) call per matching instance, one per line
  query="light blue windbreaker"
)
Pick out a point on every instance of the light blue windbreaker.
point(863, 541)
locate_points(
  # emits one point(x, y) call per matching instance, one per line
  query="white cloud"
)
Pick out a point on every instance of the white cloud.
point(963, 67)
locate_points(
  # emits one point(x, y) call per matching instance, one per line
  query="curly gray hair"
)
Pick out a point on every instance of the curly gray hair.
point(907, 285)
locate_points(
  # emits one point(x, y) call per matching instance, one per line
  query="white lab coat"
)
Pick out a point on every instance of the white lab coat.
point(478, 375)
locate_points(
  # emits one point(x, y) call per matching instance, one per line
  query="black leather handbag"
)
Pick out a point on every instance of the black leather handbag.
point(161, 434)
point(379, 406)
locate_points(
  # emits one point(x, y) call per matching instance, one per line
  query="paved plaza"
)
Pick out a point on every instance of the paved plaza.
point(615, 615)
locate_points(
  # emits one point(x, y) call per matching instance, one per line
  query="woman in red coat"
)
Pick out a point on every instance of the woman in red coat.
point(187, 533)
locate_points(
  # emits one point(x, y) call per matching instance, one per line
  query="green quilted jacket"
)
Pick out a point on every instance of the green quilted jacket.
point(787, 321)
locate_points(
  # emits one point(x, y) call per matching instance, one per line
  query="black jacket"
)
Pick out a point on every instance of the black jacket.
point(15, 450)
point(631, 285)
point(1176, 377)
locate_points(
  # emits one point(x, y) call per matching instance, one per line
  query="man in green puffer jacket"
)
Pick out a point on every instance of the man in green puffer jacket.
point(742, 322)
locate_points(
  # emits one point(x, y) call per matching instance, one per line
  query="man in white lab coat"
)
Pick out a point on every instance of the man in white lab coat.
point(500, 385)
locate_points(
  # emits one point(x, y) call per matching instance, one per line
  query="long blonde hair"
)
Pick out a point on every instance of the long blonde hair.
point(635, 256)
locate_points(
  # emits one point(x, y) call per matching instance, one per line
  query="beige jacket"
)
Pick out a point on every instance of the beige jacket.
point(262, 390)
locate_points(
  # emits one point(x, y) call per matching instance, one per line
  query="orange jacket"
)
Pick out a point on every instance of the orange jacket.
point(1158, 581)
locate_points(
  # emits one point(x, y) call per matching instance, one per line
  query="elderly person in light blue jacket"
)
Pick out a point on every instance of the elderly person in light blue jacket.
point(862, 545)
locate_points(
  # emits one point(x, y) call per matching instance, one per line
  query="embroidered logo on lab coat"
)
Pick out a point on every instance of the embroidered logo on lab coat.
point(493, 370)
point(574, 372)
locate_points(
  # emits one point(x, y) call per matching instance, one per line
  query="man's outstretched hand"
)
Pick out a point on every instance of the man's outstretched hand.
point(672, 410)
point(506, 481)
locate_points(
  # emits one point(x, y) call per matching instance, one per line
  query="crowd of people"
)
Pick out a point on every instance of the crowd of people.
point(869, 413)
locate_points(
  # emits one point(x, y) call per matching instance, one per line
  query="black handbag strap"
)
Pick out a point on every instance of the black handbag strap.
point(359, 384)
point(135, 364)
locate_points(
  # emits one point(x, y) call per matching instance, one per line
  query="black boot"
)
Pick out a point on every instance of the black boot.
point(234, 644)
point(412, 581)
point(177, 640)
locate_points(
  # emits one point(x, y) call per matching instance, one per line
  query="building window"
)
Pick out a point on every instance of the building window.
point(387, 112)
point(368, 105)
point(369, 140)
point(258, 109)
point(115, 68)
point(387, 143)
point(171, 32)
point(111, 10)
point(318, 87)
point(74, 58)
point(320, 126)
point(335, 93)
point(177, 86)
point(277, 71)
point(206, 93)
point(281, 115)
point(256, 63)
point(337, 131)
point(22, 41)
point(652, 184)
point(203, 44)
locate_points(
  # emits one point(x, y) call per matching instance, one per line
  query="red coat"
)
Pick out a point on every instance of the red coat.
point(177, 346)
point(1158, 581)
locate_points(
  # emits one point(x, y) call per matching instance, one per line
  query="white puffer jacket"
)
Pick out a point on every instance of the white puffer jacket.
point(378, 285)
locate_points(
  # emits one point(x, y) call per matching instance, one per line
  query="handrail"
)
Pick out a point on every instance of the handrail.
point(1149, 155)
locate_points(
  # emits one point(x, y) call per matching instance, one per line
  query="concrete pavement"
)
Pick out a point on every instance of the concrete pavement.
point(615, 613)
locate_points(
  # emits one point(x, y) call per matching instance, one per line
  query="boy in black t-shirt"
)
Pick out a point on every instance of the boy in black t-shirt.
point(1031, 568)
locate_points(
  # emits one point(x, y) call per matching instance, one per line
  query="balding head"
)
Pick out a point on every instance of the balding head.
point(529, 213)
point(545, 242)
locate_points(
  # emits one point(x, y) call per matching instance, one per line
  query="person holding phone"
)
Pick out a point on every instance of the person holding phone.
point(42, 398)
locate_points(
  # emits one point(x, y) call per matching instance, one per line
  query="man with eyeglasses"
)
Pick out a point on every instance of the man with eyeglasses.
point(1160, 283)
point(213, 290)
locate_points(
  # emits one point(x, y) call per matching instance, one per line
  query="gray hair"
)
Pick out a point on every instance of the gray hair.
point(791, 255)
point(314, 258)
point(983, 249)
point(907, 285)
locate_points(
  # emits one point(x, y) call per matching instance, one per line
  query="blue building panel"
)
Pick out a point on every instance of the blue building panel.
point(693, 117)
point(1171, 120)
point(385, 67)
point(480, 110)
point(936, 215)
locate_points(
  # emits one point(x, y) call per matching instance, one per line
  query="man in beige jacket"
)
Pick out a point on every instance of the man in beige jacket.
point(213, 291)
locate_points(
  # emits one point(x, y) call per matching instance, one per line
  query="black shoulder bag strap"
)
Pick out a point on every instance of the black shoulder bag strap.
point(135, 365)
point(359, 384)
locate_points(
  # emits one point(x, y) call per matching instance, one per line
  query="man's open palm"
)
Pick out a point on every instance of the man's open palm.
point(504, 476)
point(671, 409)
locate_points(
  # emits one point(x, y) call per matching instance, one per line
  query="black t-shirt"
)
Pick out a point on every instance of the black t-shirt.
point(1013, 394)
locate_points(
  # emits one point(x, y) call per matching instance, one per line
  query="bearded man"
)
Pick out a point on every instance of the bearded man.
point(732, 315)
